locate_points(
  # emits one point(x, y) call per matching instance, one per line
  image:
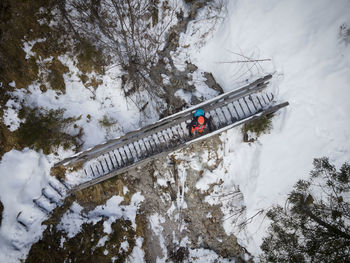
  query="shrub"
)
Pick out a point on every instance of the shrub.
point(46, 130)
point(106, 121)
point(258, 126)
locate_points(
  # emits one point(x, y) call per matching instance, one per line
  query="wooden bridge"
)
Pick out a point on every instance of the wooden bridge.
point(170, 134)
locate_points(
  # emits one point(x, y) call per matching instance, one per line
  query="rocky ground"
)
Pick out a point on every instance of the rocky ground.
point(173, 219)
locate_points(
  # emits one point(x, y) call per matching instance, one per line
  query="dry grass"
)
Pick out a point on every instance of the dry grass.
point(55, 76)
point(58, 172)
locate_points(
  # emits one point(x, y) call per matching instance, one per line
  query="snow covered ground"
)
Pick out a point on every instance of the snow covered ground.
point(308, 44)
point(310, 55)
point(23, 174)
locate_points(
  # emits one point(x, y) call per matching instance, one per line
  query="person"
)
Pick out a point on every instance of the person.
point(199, 123)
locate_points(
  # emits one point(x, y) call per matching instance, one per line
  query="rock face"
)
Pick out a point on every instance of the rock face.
point(211, 82)
point(169, 188)
point(173, 219)
point(179, 79)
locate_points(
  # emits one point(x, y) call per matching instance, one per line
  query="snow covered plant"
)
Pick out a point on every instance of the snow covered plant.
point(315, 226)
point(45, 130)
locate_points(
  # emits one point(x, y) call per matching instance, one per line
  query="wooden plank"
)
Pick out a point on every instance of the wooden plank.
point(136, 152)
point(144, 144)
point(109, 169)
point(223, 114)
point(259, 101)
point(251, 99)
point(63, 183)
point(246, 103)
point(116, 159)
point(92, 170)
point(234, 107)
point(240, 105)
point(103, 170)
point(98, 170)
point(110, 158)
point(229, 111)
point(55, 189)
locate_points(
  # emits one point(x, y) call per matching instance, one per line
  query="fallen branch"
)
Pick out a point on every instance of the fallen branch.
point(244, 61)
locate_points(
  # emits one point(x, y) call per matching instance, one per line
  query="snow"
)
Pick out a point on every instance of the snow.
point(124, 246)
point(125, 190)
point(62, 242)
point(102, 242)
point(23, 175)
point(198, 80)
point(137, 254)
point(155, 221)
point(181, 189)
point(312, 65)
point(204, 255)
point(11, 119)
point(308, 45)
point(73, 219)
point(12, 84)
point(28, 45)
point(161, 181)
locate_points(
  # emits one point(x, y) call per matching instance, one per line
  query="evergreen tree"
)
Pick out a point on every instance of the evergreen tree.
point(315, 224)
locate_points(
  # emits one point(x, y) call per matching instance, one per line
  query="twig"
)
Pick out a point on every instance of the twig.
point(250, 219)
point(244, 61)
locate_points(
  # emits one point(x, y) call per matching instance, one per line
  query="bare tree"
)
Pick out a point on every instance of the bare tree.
point(128, 31)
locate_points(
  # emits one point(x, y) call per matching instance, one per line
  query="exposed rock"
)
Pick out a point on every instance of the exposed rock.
point(179, 79)
point(202, 231)
point(191, 67)
point(1, 209)
point(211, 82)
